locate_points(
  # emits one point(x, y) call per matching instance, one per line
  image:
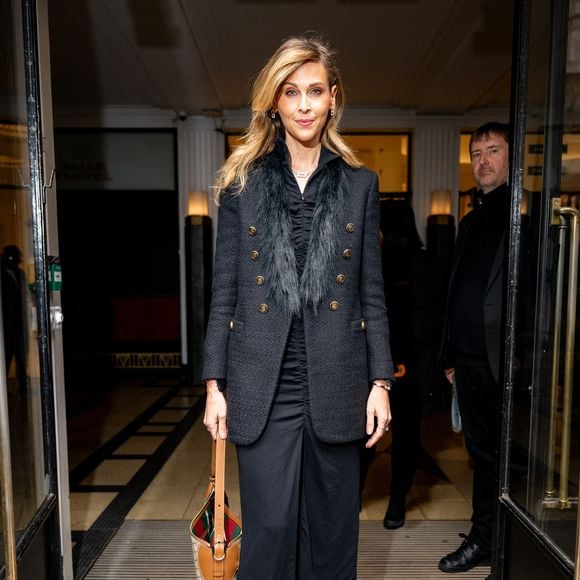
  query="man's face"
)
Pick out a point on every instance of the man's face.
point(490, 162)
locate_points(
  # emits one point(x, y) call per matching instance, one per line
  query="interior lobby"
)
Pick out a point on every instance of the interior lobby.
point(114, 118)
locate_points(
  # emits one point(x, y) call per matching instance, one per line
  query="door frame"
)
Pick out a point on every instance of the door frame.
point(46, 534)
point(52, 248)
point(511, 518)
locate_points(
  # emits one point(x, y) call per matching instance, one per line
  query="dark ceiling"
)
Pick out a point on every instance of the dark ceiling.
point(430, 56)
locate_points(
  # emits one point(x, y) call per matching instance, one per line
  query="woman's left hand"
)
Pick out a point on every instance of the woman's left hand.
point(378, 413)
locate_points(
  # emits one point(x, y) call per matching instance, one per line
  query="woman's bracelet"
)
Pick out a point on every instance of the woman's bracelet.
point(386, 386)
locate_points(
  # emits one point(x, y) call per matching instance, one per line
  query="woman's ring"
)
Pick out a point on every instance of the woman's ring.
point(385, 428)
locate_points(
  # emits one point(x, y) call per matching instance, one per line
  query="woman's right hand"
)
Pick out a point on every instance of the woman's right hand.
point(215, 411)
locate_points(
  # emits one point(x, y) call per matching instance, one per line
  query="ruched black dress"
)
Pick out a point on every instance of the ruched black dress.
point(300, 507)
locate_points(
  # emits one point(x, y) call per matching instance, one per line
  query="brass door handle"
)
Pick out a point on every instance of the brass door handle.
point(555, 376)
point(574, 238)
point(566, 218)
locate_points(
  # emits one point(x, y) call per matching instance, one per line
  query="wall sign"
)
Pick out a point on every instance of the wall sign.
point(117, 160)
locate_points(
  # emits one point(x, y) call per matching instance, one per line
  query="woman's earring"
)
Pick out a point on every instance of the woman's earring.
point(273, 114)
point(332, 112)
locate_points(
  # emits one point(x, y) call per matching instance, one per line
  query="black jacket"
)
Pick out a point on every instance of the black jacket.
point(257, 293)
point(492, 295)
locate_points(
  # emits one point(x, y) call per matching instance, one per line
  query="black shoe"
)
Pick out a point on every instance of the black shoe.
point(395, 516)
point(469, 555)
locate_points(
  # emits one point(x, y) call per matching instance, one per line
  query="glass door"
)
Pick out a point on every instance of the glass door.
point(540, 465)
point(30, 531)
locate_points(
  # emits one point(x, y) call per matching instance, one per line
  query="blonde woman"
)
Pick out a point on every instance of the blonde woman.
point(297, 360)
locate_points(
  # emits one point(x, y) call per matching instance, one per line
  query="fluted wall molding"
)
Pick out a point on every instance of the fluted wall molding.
point(200, 153)
point(435, 166)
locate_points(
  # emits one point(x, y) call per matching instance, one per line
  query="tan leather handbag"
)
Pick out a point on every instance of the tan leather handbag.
point(216, 533)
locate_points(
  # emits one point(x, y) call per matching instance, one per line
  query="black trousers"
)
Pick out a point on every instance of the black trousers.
point(478, 397)
point(406, 437)
point(299, 497)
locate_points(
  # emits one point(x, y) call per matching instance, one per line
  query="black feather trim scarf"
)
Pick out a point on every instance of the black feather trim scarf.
point(284, 287)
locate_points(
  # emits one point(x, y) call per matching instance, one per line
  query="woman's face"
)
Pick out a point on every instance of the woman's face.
point(304, 103)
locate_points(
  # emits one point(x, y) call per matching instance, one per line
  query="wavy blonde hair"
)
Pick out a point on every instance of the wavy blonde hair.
point(258, 140)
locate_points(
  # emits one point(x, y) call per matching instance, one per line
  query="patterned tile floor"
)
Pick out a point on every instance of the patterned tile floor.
point(143, 453)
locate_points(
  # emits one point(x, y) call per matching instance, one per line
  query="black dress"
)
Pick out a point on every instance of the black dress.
point(299, 495)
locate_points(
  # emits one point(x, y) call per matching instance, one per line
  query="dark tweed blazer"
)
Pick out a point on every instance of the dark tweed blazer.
point(256, 293)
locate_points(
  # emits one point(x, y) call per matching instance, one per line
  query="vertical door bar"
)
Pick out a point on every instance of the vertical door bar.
point(555, 377)
point(519, 102)
point(47, 128)
point(37, 190)
point(574, 238)
point(7, 497)
point(551, 216)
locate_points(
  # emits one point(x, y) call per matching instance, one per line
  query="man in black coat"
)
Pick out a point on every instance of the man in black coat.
point(474, 315)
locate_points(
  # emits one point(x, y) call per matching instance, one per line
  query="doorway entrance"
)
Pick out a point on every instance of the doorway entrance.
point(537, 527)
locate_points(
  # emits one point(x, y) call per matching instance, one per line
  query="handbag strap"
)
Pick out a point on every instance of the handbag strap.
point(219, 468)
point(212, 471)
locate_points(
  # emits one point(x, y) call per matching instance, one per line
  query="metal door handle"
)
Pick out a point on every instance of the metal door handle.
point(554, 382)
point(560, 217)
point(574, 215)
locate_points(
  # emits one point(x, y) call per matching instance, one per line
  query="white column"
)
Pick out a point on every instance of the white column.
point(435, 166)
point(200, 153)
